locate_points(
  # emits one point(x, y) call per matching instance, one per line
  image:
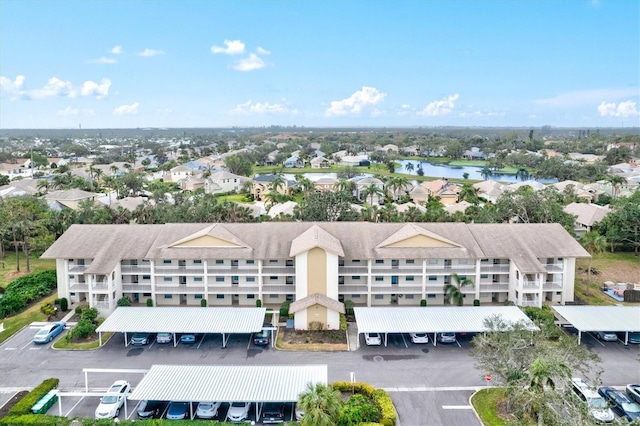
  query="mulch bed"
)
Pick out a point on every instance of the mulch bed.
point(292, 336)
point(4, 410)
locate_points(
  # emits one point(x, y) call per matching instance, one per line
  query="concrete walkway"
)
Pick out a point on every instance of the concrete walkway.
point(352, 336)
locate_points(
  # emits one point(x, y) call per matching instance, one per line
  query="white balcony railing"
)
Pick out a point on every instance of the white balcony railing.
point(554, 267)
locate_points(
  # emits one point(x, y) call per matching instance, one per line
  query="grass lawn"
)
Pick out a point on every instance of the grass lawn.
point(8, 266)
point(615, 267)
point(82, 346)
point(235, 198)
point(485, 402)
point(15, 323)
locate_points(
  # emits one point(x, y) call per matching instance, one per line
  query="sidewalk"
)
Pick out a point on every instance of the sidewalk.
point(352, 336)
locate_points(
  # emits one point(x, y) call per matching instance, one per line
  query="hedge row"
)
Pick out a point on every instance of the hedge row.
point(46, 420)
point(379, 396)
point(24, 290)
point(24, 405)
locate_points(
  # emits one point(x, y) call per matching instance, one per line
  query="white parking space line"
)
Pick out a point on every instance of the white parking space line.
point(403, 339)
point(35, 349)
point(458, 343)
point(10, 349)
point(25, 346)
point(595, 338)
point(457, 407)
point(72, 408)
point(435, 389)
point(201, 340)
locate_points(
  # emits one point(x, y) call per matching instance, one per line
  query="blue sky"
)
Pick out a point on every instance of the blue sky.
point(127, 64)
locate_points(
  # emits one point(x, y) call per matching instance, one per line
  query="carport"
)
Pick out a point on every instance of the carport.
point(433, 320)
point(622, 319)
point(226, 321)
point(228, 383)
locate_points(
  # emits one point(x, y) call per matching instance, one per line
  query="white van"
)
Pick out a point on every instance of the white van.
point(598, 407)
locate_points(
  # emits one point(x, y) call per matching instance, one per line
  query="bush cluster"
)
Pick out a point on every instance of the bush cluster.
point(86, 326)
point(48, 309)
point(284, 309)
point(24, 290)
point(380, 398)
point(357, 410)
point(46, 420)
point(343, 322)
point(24, 405)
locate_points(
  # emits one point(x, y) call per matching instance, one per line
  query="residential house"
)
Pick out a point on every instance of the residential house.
point(490, 190)
point(403, 208)
point(178, 173)
point(69, 198)
point(587, 215)
point(447, 191)
point(371, 264)
point(285, 208)
point(474, 153)
point(362, 183)
point(589, 193)
point(294, 161)
point(462, 206)
point(223, 181)
point(535, 185)
point(54, 163)
point(419, 195)
point(264, 184)
point(388, 147)
point(320, 163)
point(353, 160)
point(191, 183)
point(324, 184)
point(19, 187)
point(14, 170)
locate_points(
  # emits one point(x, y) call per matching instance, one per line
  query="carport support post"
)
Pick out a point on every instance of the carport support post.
point(59, 403)
point(385, 340)
point(126, 341)
point(579, 336)
point(434, 339)
point(225, 339)
point(126, 412)
point(100, 338)
point(626, 338)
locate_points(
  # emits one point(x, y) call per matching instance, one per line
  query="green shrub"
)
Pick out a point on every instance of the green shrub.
point(203, 303)
point(124, 301)
point(357, 387)
point(423, 302)
point(24, 405)
point(476, 302)
point(348, 306)
point(78, 310)
point(56, 302)
point(284, 309)
point(24, 290)
point(343, 322)
point(64, 304)
point(90, 314)
point(34, 419)
point(258, 303)
point(48, 309)
point(150, 302)
point(357, 410)
point(84, 328)
point(383, 400)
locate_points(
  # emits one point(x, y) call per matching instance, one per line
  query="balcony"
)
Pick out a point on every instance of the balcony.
point(102, 287)
point(77, 269)
point(392, 289)
point(352, 270)
point(184, 289)
point(135, 269)
point(525, 284)
point(236, 289)
point(448, 270)
point(554, 267)
point(527, 302)
point(352, 288)
point(75, 286)
point(279, 270)
point(179, 270)
point(552, 286)
point(499, 287)
point(494, 269)
point(396, 270)
point(279, 288)
point(136, 288)
point(231, 270)
point(100, 304)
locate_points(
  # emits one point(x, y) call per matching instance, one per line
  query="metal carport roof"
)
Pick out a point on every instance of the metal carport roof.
point(455, 319)
point(228, 383)
point(129, 319)
point(624, 319)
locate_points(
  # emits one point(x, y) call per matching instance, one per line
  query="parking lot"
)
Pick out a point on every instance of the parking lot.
point(438, 379)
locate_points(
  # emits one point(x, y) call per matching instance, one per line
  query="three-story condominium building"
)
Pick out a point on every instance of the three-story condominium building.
point(372, 264)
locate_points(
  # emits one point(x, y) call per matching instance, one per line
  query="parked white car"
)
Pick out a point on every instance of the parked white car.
point(112, 402)
point(419, 338)
point(372, 339)
point(207, 410)
point(238, 411)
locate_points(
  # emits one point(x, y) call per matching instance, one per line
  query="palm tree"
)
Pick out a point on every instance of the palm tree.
point(278, 182)
point(321, 405)
point(114, 169)
point(541, 374)
point(523, 174)
point(616, 182)
point(594, 243)
point(305, 184)
point(345, 185)
point(453, 292)
point(486, 172)
point(43, 186)
point(409, 167)
point(371, 191)
point(469, 193)
point(395, 184)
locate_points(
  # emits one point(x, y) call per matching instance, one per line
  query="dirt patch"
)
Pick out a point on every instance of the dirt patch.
point(312, 340)
point(4, 410)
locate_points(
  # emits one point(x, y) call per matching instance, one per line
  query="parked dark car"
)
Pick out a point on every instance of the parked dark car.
point(633, 392)
point(151, 409)
point(620, 403)
point(140, 339)
point(263, 338)
point(272, 412)
point(188, 339)
point(177, 410)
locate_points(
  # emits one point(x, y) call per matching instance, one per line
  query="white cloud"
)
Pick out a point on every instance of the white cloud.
point(68, 111)
point(586, 97)
point(253, 62)
point(265, 108)
point(440, 107)
point(262, 51)
point(104, 60)
point(624, 109)
point(355, 103)
point(165, 111)
point(147, 53)
point(54, 87)
point(127, 109)
point(116, 50)
point(233, 47)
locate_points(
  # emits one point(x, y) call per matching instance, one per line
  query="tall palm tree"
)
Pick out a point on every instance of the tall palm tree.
point(321, 405)
point(616, 182)
point(486, 172)
point(541, 376)
point(453, 290)
point(409, 167)
point(523, 174)
point(594, 243)
point(371, 191)
point(345, 185)
point(278, 182)
point(305, 184)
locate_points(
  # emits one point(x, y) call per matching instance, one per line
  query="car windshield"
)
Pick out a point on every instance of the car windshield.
point(631, 407)
point(237, 404)
point(597, 403)
point(109, 399)
point(43, 332)
point(263, 333)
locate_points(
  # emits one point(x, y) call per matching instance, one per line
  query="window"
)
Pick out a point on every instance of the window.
point(197, 262)
point(484, 260)
point(219, 262)
point(409, 296)
point(409, 278)
point(410, 261)
point(355, 277)
point(71, 277)
point(197, 279)
point(197, 296)
point(146, 277)
point(168, 296)
point(166, 262)
point(379, 278)
point(219, 279)
point(379, 296)
point(340, 262)
point(433, 278)
point(273, 260)
point(146, 294)
point(379, 261)
point(462, 261)
point(355, 296)
point(462, 277)
point(146, 261)
point(433, 261)
point(356, 260)
point(273, 278)
point(72, 294)
point(431, 296)
point(250, 262)
point(484, 275)
point(251, 279)
point(251, 296)
point(290, 297)
point(70, 260)
point(219, 296)
point(273, 296)
point(168, 279)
